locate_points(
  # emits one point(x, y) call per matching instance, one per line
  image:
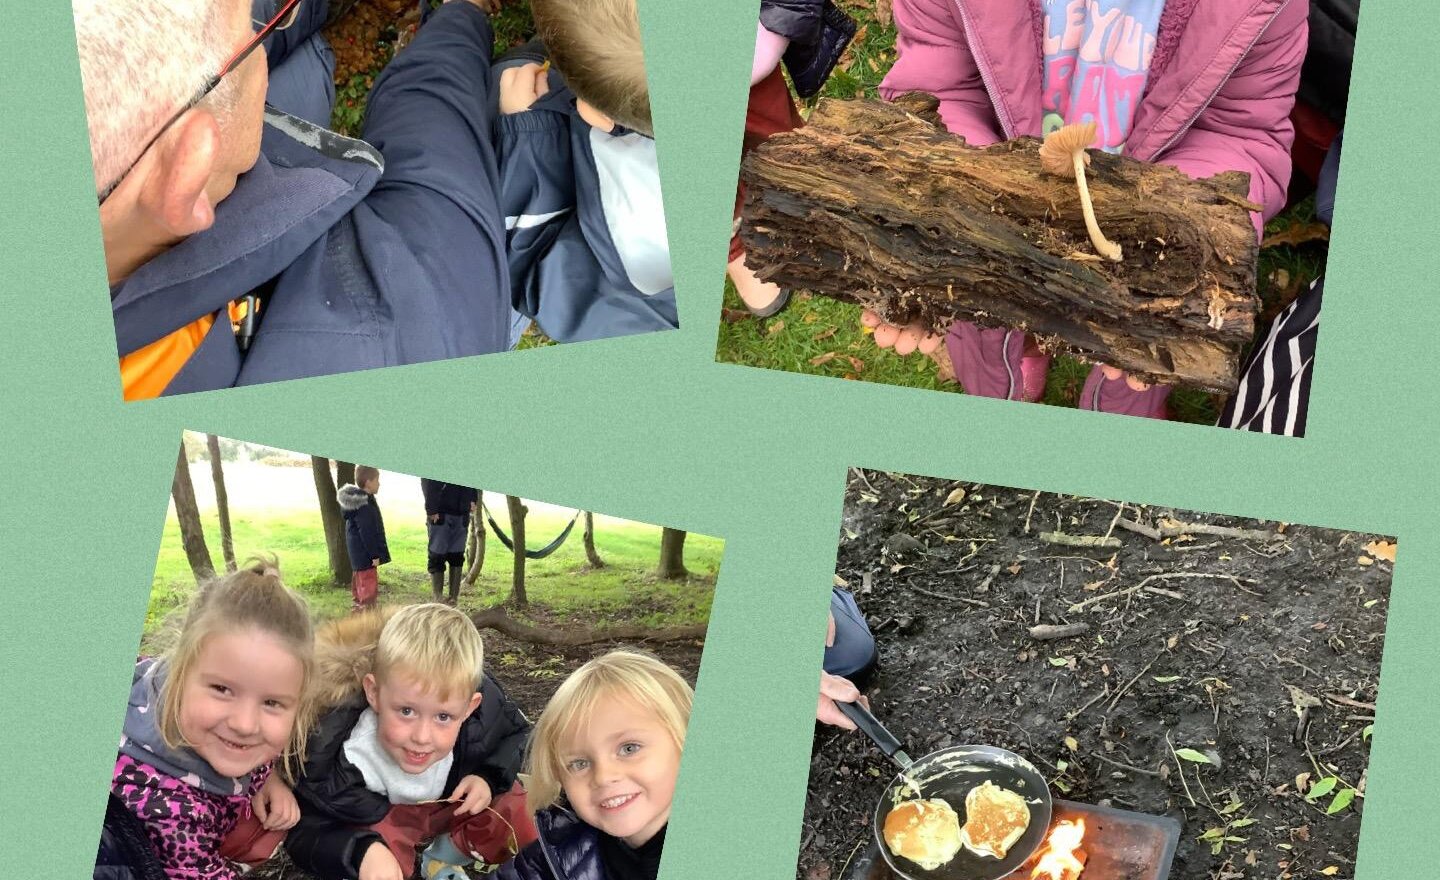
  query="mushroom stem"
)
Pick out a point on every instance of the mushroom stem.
point(1103, 246)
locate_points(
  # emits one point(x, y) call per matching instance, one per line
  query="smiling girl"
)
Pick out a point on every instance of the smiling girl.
point(208, 723)
point(610, 740)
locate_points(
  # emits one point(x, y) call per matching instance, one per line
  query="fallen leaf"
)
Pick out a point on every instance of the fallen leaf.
point(825, 358)
point(1300, 233)
point(826, 334)
point(1330, 871)
point(841, 582)
point(1381, 550)
point(955, 497)
point(1192, 755)
point(810, 318)
point(775, 328)
point(734, 316)
point(883, 13)
point(1365, 560)
point(1071, 744)
point(1014, 567)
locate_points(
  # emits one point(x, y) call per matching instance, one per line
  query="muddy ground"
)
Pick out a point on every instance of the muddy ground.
point(1225, 645)
point(530, 674)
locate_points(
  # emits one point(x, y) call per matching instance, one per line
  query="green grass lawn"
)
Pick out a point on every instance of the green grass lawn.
point(823, 337)
point(560, 587)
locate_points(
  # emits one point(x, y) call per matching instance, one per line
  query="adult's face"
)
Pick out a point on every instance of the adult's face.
point(240, 130)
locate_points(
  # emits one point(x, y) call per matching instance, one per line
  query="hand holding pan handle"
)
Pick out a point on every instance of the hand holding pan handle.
point(871, 727)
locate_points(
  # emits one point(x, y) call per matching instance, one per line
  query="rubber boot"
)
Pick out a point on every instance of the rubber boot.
point(442, 860)
point(437, 585)
point(454, 585)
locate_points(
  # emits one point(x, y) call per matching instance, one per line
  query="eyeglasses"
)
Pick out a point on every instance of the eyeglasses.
point(283, 18)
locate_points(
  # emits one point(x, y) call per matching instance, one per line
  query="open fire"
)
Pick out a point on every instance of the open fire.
point(1061, 857)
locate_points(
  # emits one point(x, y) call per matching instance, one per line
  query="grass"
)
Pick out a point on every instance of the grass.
point(820, 336)
point(560, 587)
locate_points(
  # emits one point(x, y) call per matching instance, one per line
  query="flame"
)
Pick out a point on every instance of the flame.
point(1058, 861)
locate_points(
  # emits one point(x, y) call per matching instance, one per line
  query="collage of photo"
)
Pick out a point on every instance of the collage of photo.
point(1120, 206)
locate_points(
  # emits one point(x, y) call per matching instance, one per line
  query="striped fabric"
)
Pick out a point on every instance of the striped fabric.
point(1274, 391)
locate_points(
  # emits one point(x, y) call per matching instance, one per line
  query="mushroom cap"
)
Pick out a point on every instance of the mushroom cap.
point(1057, 154)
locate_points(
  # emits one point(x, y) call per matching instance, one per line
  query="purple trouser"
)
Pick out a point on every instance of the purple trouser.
point(989, 362)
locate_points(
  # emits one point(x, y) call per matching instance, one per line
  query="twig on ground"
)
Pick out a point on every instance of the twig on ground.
point(1065, 540)
point(861, 474)
point(985, 584)
point(1046, 632)
point(1346, 701)
point(1118, 511)
point(1120, 693)
point(1176, 529)
point(1105, 692)
point(1123, 766)
point(981, 603)
point(1181, 767)
point(1033, 499)
point(1145, 585)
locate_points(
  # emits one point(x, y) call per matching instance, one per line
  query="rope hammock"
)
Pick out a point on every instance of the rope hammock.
point(530, 554)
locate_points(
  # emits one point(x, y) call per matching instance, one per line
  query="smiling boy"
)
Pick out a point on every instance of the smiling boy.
point(421, 746)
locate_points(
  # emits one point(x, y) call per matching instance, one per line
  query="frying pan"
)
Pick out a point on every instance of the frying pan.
point(949, 774)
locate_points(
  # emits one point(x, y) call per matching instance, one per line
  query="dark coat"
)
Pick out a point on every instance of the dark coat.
point(364, 527)
point(568, 849)
point(566, 267)
point(818, 31)
point(361, 261)
point(441, 497)
point(335, 806)
point(125, 849)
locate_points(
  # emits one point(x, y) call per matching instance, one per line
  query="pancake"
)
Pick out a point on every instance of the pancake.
point(927, 832)
point(994, 819)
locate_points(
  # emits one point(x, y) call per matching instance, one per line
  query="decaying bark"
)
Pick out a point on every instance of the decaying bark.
point(874, 202)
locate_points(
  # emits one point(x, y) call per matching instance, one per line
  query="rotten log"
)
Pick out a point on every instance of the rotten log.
point(497, 619)
point(876, 203)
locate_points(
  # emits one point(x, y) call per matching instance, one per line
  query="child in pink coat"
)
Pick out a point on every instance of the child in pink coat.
point(1203, 86)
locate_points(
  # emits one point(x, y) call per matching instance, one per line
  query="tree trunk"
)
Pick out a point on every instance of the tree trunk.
point(344, 473)
point(517, 535)
point(476, 549)
point(192, 534)
point(222, 501)
point(590, 553)
point(332, 520)
point(875, 203)
point(672, 555)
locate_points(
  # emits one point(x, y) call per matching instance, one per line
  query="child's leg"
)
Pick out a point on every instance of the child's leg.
point(249, 843)
point(1110, 390)
point(407, 826)
point(770, 110)
point(499, 832)
point(364, 587)
point(991, 362)
point(435, 564)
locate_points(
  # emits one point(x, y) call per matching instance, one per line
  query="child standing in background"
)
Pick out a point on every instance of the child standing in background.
point(1203, 89)
point(364, 535)
point(447, 526)
point(206, 726)
point(610, 740)
point(580, 183)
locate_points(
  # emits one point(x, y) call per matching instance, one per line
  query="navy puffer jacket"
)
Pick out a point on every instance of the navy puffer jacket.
point(125, 850)
point(568, 849)
point(818, 31)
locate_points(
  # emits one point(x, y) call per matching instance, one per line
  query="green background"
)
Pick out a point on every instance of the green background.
point(651, 429)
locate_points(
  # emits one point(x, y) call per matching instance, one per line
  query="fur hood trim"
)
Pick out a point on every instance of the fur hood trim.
point(352, 497)
point(345, 654)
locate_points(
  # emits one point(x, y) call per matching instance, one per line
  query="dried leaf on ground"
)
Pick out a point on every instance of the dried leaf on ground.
point(1381, 550)
point(1300, 233)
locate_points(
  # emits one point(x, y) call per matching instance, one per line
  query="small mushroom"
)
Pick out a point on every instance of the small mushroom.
point(1063, 153)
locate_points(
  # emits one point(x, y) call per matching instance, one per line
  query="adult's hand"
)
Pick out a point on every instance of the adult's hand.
point(905, 340)
point(522, 86)
point(834, 689)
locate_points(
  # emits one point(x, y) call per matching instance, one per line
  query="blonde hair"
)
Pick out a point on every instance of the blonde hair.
point(596, 46)
point(252, 598)
point(140, 61)
point(434, 643)
point(641, 678)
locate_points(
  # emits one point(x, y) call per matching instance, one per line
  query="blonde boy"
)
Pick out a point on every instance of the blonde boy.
point(426, 747)
point(580, 184)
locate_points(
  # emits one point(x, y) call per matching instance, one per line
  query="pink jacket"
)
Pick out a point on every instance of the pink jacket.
point(1221, 85)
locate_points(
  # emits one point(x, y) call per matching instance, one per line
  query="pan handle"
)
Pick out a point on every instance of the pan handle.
point(871, 727)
